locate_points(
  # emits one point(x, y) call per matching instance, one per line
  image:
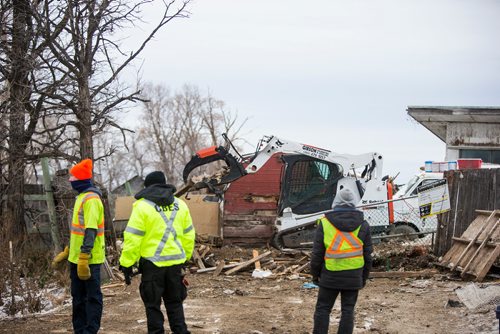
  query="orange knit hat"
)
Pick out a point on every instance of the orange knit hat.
point(82, 170)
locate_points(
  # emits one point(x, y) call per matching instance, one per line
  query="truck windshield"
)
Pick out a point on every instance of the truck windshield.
point(405, 190)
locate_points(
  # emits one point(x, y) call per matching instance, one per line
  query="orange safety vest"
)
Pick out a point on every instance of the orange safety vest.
point(344, 250)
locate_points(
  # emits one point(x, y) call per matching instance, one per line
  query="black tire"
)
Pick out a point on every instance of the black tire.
point(404, 229)
point(277, 242)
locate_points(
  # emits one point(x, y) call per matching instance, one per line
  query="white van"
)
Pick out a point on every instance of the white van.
point(406, 211)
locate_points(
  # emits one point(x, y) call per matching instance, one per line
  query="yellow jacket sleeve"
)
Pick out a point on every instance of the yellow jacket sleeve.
point(132, 238)
point(188, 236)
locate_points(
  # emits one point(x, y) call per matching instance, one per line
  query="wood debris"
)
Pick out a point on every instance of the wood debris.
point(475, 252)
point(280, 263)
point(247, 263)
point(404, 274)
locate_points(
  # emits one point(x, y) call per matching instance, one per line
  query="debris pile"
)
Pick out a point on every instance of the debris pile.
point(261, 263)
point(390, 256)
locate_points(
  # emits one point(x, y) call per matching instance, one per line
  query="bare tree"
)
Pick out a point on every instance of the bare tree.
point(24, 95)
point(115, 166)
point(175, 126)
point(60, 63)
point(90, 55)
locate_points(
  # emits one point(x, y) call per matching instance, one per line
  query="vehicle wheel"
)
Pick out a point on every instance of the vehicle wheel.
point(277, 242)
point(405, 230)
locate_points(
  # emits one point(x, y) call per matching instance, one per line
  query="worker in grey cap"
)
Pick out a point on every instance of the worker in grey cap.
point(341, 261)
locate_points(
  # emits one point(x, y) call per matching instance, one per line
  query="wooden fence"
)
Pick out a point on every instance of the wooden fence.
point(470, 190)
point(49, 210)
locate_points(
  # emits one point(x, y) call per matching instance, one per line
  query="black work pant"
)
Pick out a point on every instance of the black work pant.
point(87, 300)
point(324, 305)
point(163, 283)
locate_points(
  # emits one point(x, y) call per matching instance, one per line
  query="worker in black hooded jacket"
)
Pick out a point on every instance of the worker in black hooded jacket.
point(160, 236)
point(341, 261)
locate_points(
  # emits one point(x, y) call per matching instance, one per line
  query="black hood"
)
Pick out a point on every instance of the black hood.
point(93, 189)
point(345, 218)
point(161, 194)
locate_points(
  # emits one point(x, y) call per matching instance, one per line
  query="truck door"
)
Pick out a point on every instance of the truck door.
point(308, 185)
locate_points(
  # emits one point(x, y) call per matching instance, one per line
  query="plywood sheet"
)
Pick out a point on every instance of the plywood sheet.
point(205, 214)
point(123, 207)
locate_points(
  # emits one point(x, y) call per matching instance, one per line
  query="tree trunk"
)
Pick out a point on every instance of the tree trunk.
point(85, 118)
point(86, 146)
point(14, 225)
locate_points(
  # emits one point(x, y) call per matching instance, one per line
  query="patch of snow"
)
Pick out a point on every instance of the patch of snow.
point(52, 298)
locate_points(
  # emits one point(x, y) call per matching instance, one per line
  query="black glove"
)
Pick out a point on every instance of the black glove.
point(184, 271)
point(127, 272)
point(315, 280)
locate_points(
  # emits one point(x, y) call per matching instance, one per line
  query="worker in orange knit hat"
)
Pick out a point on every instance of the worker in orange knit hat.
point(82, 170)
point(86, 250)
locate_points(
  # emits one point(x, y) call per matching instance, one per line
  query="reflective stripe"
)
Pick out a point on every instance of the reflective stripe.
point(344, 255)
point(344, 250)
point(188, 229)
point(134, 231)
point(89, 195)
point(77, 229)
point(335, 252)
point(80, 229)
point(337, 240)
point(168, 229)
point(167, 257)
point(352, 241)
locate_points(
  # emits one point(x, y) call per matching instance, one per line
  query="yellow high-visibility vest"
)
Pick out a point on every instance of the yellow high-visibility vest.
point(163, 235)
point(344, 250)
point(88, 212)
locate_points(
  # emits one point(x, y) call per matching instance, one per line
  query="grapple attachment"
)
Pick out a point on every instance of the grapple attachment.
point(233, 171)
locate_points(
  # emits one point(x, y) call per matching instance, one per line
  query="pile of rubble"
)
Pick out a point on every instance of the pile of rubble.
point(261, 263)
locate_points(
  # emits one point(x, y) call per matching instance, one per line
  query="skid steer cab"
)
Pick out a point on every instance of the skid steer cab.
point(309, 181)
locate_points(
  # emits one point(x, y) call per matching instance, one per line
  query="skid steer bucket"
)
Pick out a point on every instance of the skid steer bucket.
point(233, 171)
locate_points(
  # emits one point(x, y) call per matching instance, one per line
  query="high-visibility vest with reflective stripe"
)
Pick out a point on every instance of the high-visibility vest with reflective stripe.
point(344, 250)
point(162, 235)
point(88, 212)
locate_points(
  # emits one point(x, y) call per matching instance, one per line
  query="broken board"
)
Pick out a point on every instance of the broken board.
point(478, 248)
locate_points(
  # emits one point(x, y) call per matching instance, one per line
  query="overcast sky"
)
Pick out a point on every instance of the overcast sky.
point(336, 74)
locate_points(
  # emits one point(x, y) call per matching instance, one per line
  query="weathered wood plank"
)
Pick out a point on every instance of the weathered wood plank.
point(476, 253)
point(207, 270)
point(473, 240)
point(486, 265)
point(247, 263)
point(198, 259)
point(403, 274)
point(255, 254)
point(219, 268)
point(477, 242)
point(258, 231)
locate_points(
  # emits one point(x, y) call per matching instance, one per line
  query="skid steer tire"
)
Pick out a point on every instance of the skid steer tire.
point(277, 242)
point(404, 229)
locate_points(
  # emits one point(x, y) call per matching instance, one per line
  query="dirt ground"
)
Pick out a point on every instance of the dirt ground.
point(242, 304)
